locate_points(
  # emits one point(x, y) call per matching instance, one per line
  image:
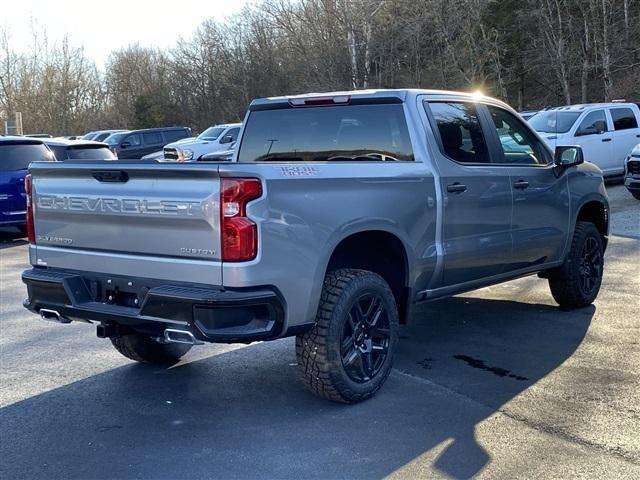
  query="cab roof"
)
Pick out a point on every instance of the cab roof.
point(64, 142)
point(226, 125)
point(17, 140)
point(581, 107)
point(364, 96)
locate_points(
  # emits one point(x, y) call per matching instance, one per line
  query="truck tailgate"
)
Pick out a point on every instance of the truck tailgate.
point(158, 218)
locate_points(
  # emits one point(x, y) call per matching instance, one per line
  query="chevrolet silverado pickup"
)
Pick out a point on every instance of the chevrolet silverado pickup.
point(338, 213)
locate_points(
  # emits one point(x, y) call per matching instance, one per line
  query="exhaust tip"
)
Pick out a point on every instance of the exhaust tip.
point(53, 316)
point(173, 335)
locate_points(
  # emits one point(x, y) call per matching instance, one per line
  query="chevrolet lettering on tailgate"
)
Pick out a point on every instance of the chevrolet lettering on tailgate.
point(117, 205)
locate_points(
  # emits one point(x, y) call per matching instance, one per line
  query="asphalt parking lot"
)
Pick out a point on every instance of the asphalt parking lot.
point(498, 383)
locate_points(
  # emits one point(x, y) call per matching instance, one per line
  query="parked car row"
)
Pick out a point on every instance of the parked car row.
point(100, 135)
point(176, 144)
point(607, 132)
point(170, 144)
point(214, 139)
point(135, 144)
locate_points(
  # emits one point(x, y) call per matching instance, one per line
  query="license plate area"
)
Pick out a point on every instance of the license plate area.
point(118, 291)
point(121, 298)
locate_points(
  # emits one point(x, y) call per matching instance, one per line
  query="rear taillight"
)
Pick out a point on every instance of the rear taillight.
point(239, 235)
point(31, 233)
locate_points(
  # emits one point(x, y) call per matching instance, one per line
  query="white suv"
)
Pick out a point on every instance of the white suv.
point(217, 138)
point(605, 131)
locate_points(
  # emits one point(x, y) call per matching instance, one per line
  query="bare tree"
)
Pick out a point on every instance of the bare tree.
point(534, 52)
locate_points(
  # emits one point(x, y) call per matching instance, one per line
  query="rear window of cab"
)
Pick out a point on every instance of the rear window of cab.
point(345, 133)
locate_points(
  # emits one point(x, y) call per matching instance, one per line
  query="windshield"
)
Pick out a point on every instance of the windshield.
point(114, 138)
point(321, 134)
point(211, 133)
point(553, 121)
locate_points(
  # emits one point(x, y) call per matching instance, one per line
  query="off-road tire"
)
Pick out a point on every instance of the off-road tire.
point(144, 349)
point(318, 351)
point(564, 281)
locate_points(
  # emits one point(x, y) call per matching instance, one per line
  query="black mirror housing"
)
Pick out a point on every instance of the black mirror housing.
point(226, 139)
point(568, 156)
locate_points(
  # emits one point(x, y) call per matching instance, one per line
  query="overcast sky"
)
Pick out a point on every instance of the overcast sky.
point(105, 26)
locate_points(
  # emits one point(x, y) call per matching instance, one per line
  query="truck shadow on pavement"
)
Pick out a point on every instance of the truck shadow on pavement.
point(11, 237)
point(244, 414)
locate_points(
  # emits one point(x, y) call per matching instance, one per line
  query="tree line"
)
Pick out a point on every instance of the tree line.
point(530, 53)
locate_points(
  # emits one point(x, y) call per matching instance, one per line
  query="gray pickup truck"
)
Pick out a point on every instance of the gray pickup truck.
point(337, 214)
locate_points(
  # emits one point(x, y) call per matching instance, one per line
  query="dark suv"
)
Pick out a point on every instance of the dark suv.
point(16, 153)
point(137, 143)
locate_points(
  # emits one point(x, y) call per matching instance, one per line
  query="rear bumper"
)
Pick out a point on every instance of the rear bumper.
point(151, 306)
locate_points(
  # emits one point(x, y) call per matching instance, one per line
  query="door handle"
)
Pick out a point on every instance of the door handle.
point(521, 184)
point(606, 139)
point(456, 188)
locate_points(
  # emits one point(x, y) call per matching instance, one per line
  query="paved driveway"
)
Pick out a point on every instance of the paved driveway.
point(498, 383)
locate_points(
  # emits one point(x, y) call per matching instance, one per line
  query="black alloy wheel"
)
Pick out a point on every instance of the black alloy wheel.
point(365, 338)
point(590, 266)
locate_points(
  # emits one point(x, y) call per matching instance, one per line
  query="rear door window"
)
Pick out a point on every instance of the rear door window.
point(623, 118)
point(16, 156)
point(350, 133)
point(173, 135)
point(152, 138)
point(460, 132)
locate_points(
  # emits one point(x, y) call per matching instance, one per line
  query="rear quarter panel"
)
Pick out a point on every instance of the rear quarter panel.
point(307, 209)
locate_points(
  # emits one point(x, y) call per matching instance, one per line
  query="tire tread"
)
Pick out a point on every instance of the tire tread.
point(563, 281)
point(312, 348)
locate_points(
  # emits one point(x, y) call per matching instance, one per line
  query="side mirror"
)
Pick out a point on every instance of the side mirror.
point(226, 139)
point(568, 156)
point(125, 145)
